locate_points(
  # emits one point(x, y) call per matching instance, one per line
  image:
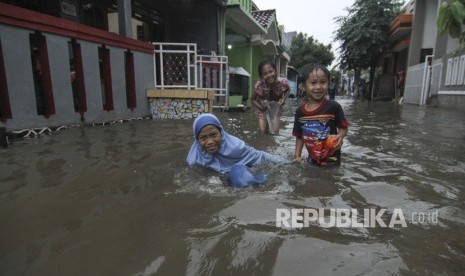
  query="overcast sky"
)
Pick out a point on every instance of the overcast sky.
point(313, 17)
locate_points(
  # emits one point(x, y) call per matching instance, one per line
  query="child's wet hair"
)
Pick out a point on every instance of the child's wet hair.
point(263, 63)
point(313, 67)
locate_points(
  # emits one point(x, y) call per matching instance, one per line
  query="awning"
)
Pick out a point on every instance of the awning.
point(238, 71)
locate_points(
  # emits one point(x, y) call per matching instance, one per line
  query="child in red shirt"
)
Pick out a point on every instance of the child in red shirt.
point(319, 123)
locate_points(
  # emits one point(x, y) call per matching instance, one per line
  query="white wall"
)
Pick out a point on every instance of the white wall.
point(430, 29)
point(452, 44)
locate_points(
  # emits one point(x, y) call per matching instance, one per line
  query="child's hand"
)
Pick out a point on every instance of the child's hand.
point(339, 141)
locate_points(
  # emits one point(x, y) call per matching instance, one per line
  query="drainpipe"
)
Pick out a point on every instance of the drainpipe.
point(125, 18)
point(3, 138)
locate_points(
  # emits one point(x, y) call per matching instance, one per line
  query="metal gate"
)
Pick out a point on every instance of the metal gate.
point(213, 76)
point(426, 81)
point(177, 66)
point(417, 88)
point(174, 65)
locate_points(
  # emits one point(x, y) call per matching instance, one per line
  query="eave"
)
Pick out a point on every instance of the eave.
point(243, 19)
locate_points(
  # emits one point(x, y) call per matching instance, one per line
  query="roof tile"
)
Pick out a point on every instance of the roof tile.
point(264, 17)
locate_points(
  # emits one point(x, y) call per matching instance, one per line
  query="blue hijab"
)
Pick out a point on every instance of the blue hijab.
point(231, 151)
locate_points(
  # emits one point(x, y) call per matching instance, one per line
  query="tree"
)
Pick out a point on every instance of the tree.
point(363, 34)
point(306, 49)
point(450, 19)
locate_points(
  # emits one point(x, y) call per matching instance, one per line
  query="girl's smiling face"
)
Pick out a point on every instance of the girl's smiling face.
point(268, 73)
point(317, 85)
point(210, 138)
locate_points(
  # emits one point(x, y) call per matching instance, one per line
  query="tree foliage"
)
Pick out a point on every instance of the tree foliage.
point(306, 49)
point(364, 32)
point(450, 19)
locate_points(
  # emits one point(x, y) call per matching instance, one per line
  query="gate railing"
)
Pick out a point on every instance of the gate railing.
point(425, 92)
point(177, 66)
point(174, 65)
point(212, 76)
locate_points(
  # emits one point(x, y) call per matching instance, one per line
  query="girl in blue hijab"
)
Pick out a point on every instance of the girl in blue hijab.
point(213, 147)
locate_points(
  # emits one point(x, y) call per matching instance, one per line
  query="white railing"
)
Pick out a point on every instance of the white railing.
point(425, 92)
point(174, 65)
point(436, 76)
point(414, 84)
point(419, 81)
point(177, 66)
point(212, 76)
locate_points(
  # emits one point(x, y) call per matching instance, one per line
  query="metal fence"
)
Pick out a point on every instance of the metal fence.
point(213, 77)
point(174, 65)
point(414, 84)
point(177, 66)
point(436, 73)
point(419, 82)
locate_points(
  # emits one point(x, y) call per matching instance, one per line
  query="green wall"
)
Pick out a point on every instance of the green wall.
point(241, 56)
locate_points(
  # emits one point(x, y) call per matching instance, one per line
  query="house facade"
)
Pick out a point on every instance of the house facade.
point(56, 72)
point(394, 62)
point(73, 61)
point(251, 36)
point(422, 65)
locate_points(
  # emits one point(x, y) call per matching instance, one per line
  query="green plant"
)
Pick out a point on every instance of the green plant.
point(451, 18)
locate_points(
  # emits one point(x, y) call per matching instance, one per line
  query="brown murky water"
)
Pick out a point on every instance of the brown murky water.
point(119, 200)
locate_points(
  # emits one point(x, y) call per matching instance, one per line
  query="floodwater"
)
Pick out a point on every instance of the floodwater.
point(120, 200)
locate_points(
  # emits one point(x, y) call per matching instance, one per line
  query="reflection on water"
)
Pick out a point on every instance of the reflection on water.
point(120, 200)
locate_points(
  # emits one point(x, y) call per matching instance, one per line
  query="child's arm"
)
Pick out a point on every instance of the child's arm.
point(255, 101)
point(286, 92)
point(343, 126)
point(259, 105)
point(299, 144)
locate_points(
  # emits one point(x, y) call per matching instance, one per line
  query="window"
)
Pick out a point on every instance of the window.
point(77, 78)
point(130, 80)
point(105, 78)
point(92, 13)
point(425, 52)
point(41, 74)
